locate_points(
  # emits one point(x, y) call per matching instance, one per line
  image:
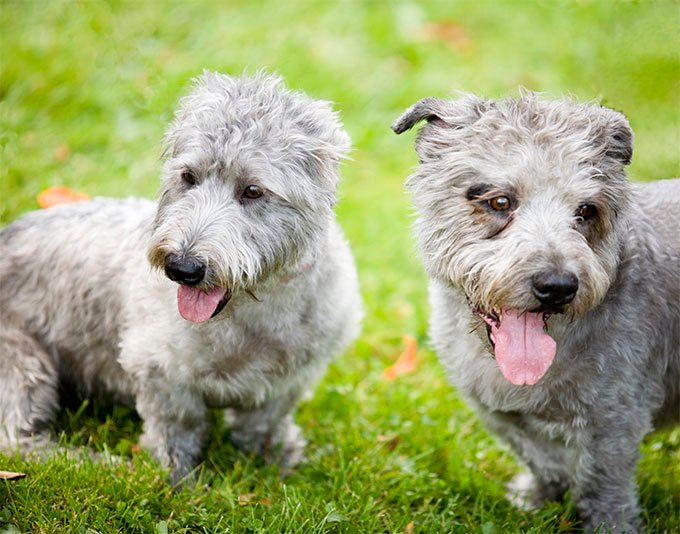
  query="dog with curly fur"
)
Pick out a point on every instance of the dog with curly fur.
point(555, 289)
point(234, 290)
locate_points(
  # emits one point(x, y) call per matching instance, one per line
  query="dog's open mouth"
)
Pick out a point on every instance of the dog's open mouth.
point(200, 305)
point(524, 350)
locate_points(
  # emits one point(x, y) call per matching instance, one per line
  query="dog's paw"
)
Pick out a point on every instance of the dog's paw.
point(284, 446)
point(290, 450)
point(600, 513)
point(523, 492)
point(527, 492)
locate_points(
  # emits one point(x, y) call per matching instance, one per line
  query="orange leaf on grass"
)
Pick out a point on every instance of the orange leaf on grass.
point(249, 498)
point(406, 363)
point(58, 194)
point(390, 442)
point(62, 152)
point(449, 32)
point(245, 499)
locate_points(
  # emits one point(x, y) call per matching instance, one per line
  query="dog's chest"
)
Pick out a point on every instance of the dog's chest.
point(549, 414)
point(243, 367)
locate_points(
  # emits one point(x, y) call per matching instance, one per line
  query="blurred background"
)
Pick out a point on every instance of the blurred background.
point(87, 88)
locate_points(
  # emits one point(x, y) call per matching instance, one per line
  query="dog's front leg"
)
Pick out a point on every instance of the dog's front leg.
point(175, 426)
point(604, 488)
point(548, 460)
point(270, 431)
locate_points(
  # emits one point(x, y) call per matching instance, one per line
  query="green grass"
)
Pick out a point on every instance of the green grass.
point(86, 91)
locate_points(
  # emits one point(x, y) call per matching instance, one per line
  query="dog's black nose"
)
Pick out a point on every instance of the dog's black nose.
point(554, 289)
point(184, 270)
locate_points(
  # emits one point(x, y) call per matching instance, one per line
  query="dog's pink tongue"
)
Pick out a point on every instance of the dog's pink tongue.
point(523, 350)
point(197, 305)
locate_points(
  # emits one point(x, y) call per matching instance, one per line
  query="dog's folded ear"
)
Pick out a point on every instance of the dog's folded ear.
point(445, 119)
point(451, 114)
point(320, 142)
point(430, 109)
point(617, 136)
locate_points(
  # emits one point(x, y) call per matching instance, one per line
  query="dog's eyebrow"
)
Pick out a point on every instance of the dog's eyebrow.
point(477, 191)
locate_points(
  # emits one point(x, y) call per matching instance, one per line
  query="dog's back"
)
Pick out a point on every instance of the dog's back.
point(659, 201)
point(85, 240)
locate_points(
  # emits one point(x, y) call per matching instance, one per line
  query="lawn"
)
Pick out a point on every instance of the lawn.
point(86, 92)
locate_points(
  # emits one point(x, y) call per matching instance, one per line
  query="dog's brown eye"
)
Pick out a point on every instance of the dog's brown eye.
point(189, 178)
point(252, 192)
point(500, 203)
point(586, 211)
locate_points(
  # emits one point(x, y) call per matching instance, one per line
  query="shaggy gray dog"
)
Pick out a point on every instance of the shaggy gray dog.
point(234, 290)
point(555, 288)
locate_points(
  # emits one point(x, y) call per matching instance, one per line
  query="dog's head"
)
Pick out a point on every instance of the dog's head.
point(248, 187)
point(522, 204)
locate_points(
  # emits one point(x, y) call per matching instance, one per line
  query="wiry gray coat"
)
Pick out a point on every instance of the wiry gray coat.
point(511, 192)
point(80, 301)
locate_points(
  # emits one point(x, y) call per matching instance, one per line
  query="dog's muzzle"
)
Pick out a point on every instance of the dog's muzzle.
point(554, 290)
point(184, 270)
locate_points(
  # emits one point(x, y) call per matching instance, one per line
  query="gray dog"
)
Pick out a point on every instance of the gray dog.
point(233, 291)
point(555, 288)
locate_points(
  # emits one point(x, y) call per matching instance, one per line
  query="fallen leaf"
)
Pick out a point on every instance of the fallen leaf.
point(406, 363)
point(9, 475)
point(62, 152)
point(248, 499)
point(244, 500)
point(448, 32)
point(135, 448)
point(335, 517)
point(390, 442)
point(566, 524)
point(58, 194)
